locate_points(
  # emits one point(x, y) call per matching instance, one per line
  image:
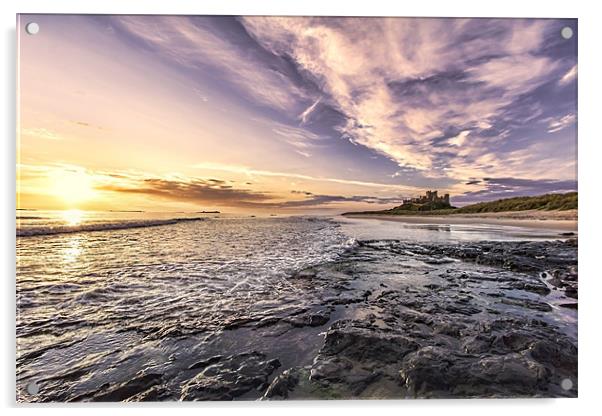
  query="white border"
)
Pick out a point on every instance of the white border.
point(590, 159)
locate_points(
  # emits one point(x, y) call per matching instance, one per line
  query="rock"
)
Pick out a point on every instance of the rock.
point(311, 319)
point(527, 303)
point(358, 342)
point(237, 323)
point(435, 372)
point(331, 369)
point(128, 389)
point(534, 287)
point(154, 394)
point(205, 363)
point(557, 353)
point(282, 385)
point(230, 377)
point(571, 292)
point(268, 321)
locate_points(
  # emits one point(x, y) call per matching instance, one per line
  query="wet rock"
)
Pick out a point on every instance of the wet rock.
point(267, 321)
point(432, 286)
point(571, 292)
point(237, 323)
point(154, 394)
point(462, 309)
point(558, 353)
point(311, 319)
point(359, 342)
point(128, 389)
point(331, 369)
point(527, 303)
point(283, 385)
point(534, 287)
point(436, 372)
point(230, 377)
point(296, 384)
point(205, 363)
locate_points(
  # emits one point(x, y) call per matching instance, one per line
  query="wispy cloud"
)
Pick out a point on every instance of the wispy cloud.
point(569, 76)
point(195, 43)
point(558, 124)
point(497, 188)
point(41, 133)
point(258, 172)
point(403, 83)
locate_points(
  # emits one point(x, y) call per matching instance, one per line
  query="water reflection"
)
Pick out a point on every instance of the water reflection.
point(373, 228)
point(73, 249)
point(73, 216)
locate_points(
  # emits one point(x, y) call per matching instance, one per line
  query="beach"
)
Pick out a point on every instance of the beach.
point(565, 221)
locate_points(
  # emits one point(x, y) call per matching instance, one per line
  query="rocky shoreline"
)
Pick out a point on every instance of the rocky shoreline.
point(465, 332)
point(387, 320)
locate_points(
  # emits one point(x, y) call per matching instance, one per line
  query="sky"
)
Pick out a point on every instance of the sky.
point(291, 114)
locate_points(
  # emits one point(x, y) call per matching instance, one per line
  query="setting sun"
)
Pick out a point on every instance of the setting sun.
point(72, 186)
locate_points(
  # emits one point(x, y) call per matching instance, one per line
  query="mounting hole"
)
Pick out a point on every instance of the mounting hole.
point(566, 384)
point(33, 388)
point(32, 28)
point(566, 32)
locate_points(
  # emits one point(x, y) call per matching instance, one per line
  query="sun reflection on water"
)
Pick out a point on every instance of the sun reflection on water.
point(73, 216)
point(72, 250)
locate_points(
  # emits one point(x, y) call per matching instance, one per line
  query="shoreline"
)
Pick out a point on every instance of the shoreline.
point(550, 222)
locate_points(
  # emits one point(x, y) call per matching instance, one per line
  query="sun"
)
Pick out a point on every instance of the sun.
point(73, 186)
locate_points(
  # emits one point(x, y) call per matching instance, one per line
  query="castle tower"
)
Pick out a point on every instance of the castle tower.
point(446, 199)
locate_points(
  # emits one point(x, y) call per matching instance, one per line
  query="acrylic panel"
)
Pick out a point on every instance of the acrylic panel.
point(269, 208)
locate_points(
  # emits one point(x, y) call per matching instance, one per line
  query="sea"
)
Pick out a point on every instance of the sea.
point(104, 295)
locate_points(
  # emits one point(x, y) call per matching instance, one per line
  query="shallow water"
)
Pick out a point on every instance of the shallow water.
point(377, 229)
point(99, 304)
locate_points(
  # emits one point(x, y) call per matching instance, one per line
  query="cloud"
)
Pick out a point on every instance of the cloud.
point(497, 188)
point(216, 44)
point(459, 139)
point(558, 124)
point(213, 192)
point(41, 133)
point(259, 172)
point(305, 114)
point(196, 191)
point(449, 98)
point(321, 200)
point(402, 83)
point(301, 140)
point(569, 76)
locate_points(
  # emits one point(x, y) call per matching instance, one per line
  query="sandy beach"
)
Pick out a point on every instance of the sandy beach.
point(565, 221)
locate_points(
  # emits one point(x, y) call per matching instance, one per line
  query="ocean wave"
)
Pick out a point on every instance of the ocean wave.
point(101, 226)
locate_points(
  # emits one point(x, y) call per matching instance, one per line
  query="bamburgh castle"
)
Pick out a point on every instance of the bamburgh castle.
point(431, 196)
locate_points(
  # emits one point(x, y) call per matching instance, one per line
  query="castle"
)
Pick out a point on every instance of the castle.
point(430, 197)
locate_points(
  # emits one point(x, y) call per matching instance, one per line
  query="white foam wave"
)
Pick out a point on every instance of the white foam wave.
point(100, 226)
